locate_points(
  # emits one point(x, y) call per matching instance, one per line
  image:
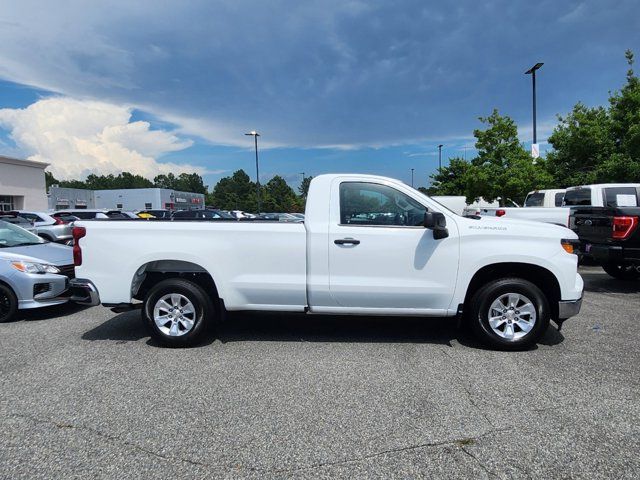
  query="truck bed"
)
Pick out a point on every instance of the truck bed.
point(263, 262)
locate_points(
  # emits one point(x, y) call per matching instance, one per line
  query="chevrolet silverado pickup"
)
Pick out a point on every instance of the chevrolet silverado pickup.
point(368, 245)
point(611, 237)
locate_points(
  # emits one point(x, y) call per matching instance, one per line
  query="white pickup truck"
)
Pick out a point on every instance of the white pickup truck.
point(544, 205)
point(369, 245)
point(539, 205)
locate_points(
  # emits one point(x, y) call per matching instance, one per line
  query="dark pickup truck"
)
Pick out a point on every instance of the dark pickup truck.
point(611, 237)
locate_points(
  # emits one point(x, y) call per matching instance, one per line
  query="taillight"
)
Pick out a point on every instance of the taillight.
point(59, 221)
point(500, 212)
point(623, 227)
point(78, 233)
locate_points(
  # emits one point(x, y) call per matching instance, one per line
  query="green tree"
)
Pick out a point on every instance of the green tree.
point(598, 145)
point(304, 187)
point(185, 182)
point(503, 169)
point(450, 180)
point(624, 110)
point(280, 197)
point(166, 181)
point(49, 180)
point(191, 182)
point(236, 192)
point(581, 142)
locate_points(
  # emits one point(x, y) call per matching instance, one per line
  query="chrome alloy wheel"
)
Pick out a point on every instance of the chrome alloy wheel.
point(511, 316)
point(174, 314)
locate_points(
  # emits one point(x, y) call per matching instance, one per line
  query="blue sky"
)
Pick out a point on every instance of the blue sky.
point(332, 86)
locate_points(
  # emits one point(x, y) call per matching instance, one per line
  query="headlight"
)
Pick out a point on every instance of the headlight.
point(31, 267)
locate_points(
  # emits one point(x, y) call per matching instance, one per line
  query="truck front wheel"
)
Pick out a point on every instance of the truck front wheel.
point(177, 312)
point(509, 314)
point(628, 271)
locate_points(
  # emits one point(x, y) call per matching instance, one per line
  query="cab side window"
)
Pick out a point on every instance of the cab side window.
point(559, 199)
point(372, 204)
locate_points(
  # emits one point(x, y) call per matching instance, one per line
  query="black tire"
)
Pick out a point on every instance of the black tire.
point(8, 303)
point(203, 316)
point(481, 301)
point(627, 271)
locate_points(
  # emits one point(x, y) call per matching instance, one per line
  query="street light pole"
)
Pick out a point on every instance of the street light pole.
point(532, 72)
point(412, 178)
point(440, 158)
point(255, 136)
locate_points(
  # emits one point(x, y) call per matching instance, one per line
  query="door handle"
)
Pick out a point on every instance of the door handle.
point(346, 241)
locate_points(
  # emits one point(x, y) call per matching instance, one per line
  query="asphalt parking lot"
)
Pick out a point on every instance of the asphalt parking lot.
point(84, 393)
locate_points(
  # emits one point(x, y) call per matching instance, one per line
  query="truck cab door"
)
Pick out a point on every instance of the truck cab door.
point(382, 259)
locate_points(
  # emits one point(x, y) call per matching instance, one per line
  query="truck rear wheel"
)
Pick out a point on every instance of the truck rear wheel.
point(509, 314)
point(8, 303)
point(627, 271)
point(177, 312)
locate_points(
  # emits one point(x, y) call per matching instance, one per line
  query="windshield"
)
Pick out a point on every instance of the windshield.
point(535, 199)
point(14, 236)
point(436, 201)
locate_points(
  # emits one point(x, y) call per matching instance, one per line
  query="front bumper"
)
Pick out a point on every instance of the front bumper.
point(84, 292)
point(569, 308)
point(40, 290)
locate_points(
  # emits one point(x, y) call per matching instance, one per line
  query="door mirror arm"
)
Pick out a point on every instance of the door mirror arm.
point(437, 222)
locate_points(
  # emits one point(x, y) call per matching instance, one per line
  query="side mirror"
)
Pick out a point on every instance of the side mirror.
point(437, 222)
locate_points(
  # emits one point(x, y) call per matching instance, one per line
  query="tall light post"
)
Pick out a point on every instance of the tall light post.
point(255, 136)
point(532, 72)
point(412, 178)
point(440, 158)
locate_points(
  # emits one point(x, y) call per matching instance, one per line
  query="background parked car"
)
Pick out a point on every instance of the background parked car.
point(548, 198)
point(122, 214)
point(33, 272)
point(602, 195)
point(610, 234)
point(19, 221)
point(48, 227)
point(83, 214)
point(539, 205)
point(64, 217)
point(240, 214)
point(280, 217)
point(202, 215)
point(155, 214)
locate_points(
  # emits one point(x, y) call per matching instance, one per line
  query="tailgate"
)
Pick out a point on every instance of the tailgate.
point(592, 224)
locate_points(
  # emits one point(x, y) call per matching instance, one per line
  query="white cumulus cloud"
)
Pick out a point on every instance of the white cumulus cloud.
point(79, 137)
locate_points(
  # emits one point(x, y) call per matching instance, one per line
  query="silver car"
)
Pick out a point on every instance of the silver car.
point(33, 272)
point(48, 227)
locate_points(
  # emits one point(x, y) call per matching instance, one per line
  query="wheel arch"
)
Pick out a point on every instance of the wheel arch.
point(152, 272)
point(541, 277)
point(8, 285)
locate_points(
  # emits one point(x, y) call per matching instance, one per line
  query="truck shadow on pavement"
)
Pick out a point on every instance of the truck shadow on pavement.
point(50, 313)
point(288, 327)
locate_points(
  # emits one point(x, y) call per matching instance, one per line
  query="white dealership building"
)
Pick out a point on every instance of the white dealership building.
point(131, 199)
point(22, 184)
